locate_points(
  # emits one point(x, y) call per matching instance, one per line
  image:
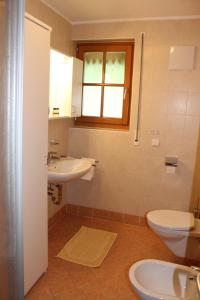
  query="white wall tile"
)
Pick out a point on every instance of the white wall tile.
point(177, 102)
point(193, 104)
point(191, 128)
point(133, 179)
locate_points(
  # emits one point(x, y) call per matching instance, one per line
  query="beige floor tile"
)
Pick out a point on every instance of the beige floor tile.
point(69, 281)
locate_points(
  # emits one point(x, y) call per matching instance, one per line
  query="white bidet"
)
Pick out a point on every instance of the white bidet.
point(159, 280)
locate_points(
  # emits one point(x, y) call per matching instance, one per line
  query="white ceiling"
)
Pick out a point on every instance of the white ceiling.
point(84, 11)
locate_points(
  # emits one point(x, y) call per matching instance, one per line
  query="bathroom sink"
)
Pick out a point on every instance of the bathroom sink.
point(60, 171)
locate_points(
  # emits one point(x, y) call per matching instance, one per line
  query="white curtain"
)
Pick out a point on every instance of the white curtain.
point(11, 214)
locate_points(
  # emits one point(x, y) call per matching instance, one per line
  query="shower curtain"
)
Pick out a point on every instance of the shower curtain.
point(11, 104)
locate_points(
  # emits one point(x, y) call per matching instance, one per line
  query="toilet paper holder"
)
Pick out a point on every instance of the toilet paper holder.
point(171, 161)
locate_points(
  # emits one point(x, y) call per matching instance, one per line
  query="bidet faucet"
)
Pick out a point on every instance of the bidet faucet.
point(197, 269)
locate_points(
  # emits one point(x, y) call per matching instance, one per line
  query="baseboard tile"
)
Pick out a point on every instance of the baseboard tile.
point(82, 211)
point(55, 219)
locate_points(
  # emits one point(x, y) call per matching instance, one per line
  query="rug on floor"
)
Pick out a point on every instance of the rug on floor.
point(88, 247)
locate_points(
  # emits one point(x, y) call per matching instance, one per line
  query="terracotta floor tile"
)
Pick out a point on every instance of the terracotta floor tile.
point(69, 281)
point(41, 291)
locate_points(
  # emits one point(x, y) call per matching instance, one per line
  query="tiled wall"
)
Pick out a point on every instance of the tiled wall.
point(58, 130)
point(61, 41)
point(61, 29)
point(132, 179)
point(82, 211)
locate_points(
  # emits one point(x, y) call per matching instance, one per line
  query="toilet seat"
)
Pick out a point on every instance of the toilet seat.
point(171, 219)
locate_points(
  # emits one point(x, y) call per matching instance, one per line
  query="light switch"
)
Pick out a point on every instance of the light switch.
point(155, 142)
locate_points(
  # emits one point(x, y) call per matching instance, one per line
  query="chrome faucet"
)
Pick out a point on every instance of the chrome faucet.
point(52, 156)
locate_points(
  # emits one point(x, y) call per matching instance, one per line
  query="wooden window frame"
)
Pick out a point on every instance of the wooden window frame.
point(118, 123)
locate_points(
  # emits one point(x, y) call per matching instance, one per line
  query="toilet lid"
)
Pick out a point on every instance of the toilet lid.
point(172, 219)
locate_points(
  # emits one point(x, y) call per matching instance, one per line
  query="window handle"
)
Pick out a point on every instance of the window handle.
point(125, 92)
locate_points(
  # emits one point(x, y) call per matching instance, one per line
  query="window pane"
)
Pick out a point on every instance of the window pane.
point(91, 101)
point(113, 102)
point(93, 63)
point(115, 67)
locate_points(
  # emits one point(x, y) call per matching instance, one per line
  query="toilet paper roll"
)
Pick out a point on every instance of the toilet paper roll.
point(170, 170)
point(90, 174)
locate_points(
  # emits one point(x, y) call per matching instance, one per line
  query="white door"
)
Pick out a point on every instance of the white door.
point(35, 148)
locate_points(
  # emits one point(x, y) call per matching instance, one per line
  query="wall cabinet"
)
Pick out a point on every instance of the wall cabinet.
point(65, 86)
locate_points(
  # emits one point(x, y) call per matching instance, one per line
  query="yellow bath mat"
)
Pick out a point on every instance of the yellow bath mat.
point(88, 247)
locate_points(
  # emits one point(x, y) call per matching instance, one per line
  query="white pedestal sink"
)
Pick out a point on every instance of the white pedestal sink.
point(60, 171)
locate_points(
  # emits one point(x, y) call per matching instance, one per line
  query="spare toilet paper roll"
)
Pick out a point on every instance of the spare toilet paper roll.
point(170, 170)
point(90, 174)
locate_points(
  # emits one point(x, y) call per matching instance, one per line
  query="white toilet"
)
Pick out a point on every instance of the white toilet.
point(159, 280)
point(180, 231)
